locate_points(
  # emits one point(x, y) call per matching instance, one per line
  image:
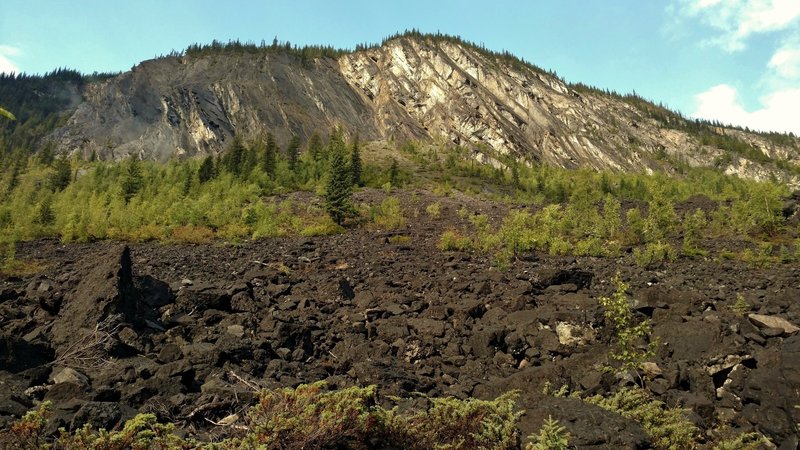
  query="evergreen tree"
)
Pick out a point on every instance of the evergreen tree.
point(251, 157)
point(62, 174)
point(293, 152)
point(234, 157)
point(46, 155)
point(355, 164)
point(339, 187)
point(206, 170)
point(132, 180)
point(315, 147)
point(44, 214)
point(269, 161)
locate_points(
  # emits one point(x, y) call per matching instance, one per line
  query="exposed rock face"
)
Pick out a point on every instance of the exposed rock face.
point(193, 106)
point(409, 88)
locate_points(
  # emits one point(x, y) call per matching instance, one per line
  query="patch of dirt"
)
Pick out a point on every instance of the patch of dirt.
point(187, 332)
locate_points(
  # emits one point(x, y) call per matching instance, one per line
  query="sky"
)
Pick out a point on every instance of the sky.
point(735, 61)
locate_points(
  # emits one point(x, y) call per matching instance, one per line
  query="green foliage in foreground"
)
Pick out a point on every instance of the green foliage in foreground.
point(309, 417)
point(634, 343)
point(313, 417)
point(669, 428)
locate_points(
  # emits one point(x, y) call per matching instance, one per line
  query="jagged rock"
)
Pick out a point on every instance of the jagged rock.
point(764, 321)
point(574, 334)
point(106, 290)
point(69, 375)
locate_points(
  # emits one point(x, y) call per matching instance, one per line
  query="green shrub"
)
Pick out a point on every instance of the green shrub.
point(693, 226)
point(323, 227)
point(451, 424)
point(400, 239)
point(660, 221)
point(310, 417)
point(668, 428)
point(389, 215)
point(552, 436)
point(740, 307)
point(434, 210)
point(629, 335)
point(454, 240)
point(654, 252)
point(634, 233)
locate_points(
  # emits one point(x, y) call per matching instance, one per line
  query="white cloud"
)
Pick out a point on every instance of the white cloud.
point(779, 110)
point(786, 62)
point(7, 52)
point(736, 20)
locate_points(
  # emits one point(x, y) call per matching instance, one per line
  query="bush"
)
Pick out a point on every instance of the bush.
point(324, 227)
point(654, 252)
point(190, 234)
point(552, 436)
point(310, 417)
point(668, 428)
point(389, 215)
point(454, 240)
point(693, 226)
point(628, 334)
point(434, 210)
point(451, 424)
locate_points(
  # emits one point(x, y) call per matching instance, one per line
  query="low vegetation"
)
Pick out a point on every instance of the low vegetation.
point(308, 417)
point(240, 195)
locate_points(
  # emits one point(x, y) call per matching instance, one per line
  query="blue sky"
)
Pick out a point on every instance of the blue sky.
point(737, 61)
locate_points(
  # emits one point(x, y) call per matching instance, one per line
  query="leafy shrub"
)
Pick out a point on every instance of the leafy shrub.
point(635, 231)
point(693, 226)
point(400, 239)
point(140, 433)
point(324, 227)
point(434, 210)
point(190, 234)
point(668, 428)
point(451, 424)
point(759, 258)
point(310, 417)
point(590, 247)
point(660, 221)
point(454, 240)
point(654, 252)
point(389, 215)
point(740, 307)
point(628, 334)
point(552, 436)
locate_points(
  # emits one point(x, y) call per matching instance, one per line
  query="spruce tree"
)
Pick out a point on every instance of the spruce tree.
point(315, 146)
point(293, 152)
point(234, 157)
point(269, 160)
point(339, 187)
point(355, 164)
point(132, 179)
point(206, 170)
point(62, 174)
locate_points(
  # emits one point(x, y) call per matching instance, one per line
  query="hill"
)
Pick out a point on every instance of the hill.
point(411, 87)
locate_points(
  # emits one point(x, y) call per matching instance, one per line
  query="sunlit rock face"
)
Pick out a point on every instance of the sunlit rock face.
point(409, 88)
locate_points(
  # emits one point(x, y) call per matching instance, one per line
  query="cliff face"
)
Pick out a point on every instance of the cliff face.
point(193, 106)
point(408, 88)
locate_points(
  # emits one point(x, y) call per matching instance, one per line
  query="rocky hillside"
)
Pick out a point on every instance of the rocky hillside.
point(411, 87)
